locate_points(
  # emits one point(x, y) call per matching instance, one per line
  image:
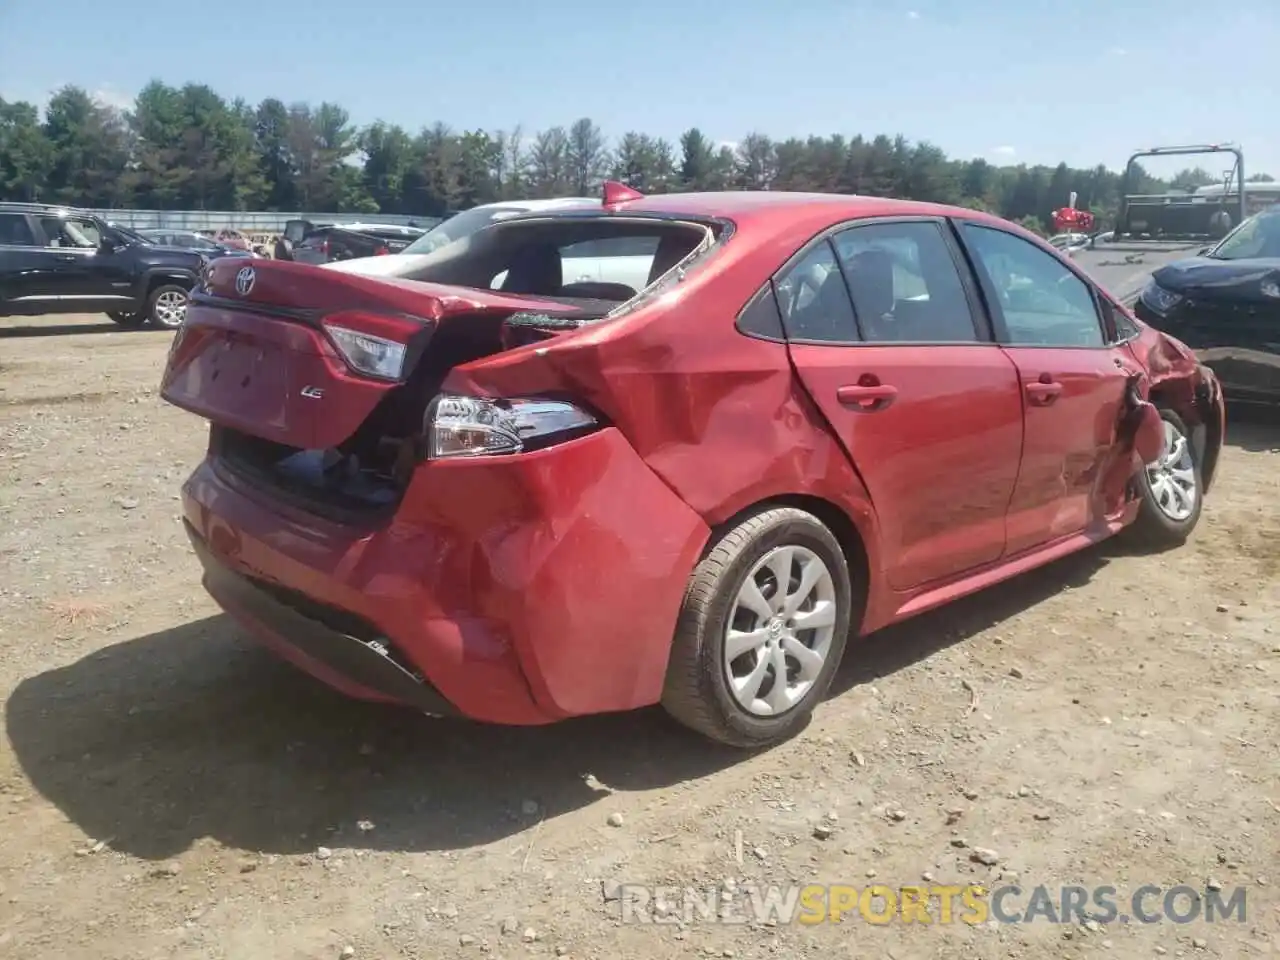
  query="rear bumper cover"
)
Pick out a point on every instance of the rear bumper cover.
point(520, 590)
point(359, 664)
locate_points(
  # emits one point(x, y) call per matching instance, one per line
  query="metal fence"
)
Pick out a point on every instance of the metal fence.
point(247, 221)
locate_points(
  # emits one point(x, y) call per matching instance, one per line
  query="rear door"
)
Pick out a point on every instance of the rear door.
point(1047, 319)
point(24, 267)
point(887, 336)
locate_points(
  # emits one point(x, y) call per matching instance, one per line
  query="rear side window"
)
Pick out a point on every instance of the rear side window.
point(905, 284)
point(814, 300)
point(15, 231)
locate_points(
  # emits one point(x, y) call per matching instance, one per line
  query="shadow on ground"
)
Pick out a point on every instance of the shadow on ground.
point(193, 732)
point(38, 329)
point(1253, 427)
point(899, 646)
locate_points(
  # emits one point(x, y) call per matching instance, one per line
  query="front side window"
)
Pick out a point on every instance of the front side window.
point(1042, 302)
point(905, 284)
point(73, 232)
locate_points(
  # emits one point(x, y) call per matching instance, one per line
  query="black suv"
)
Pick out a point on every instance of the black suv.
point(55, 260)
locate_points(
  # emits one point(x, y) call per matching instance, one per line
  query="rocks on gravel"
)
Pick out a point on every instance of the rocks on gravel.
point(615, 819)
point(985, 856)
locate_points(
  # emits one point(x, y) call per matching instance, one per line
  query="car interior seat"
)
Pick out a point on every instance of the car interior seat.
point(535, 269)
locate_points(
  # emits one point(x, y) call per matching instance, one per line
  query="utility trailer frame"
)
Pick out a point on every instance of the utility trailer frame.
point(1166, 217)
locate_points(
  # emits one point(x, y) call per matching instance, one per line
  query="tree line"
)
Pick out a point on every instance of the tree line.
point(183, 148)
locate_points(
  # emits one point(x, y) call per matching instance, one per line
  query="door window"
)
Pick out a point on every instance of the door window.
point(1043, 303)
point(71, 232)
point(15, 231)
point(904, 283)
point(814, 300)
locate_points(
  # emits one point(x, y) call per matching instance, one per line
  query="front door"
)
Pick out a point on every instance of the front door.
point(1073, 381)
point(84, 276)
point(884, 336)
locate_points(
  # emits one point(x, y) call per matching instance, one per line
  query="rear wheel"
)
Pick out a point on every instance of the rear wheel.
point(167, 306)
point(763, 626)
point(1170, 491)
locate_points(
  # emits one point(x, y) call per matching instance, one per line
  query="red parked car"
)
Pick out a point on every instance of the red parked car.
point(480, 490)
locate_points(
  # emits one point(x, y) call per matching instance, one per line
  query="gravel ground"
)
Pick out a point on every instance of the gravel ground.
point(169, 790)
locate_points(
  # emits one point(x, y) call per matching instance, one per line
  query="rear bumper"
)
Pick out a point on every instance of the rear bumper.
point(316, 639)
point(517, 590)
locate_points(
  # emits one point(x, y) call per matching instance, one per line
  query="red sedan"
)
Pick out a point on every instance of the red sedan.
point(484, 488)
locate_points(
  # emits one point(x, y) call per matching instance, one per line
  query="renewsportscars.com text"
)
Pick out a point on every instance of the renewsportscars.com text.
point(928, 904)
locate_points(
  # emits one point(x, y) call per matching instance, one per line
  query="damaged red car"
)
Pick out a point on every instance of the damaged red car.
point(493, 489)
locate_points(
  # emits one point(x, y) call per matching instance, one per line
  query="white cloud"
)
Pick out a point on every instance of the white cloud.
point(109, 96)
point(731, 144)
point(913, 15)
point(1117, 51)
point(1005, 151)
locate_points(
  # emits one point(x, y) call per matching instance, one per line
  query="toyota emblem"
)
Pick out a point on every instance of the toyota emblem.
point(244, 281)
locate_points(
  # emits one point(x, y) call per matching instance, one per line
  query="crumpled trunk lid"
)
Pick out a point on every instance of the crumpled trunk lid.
point(257, 351)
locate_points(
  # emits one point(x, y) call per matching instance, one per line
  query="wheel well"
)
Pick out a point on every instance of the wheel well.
point(836, 520)
point(166, 281)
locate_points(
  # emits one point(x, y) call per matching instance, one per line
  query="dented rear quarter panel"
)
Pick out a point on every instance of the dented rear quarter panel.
point(688, 392)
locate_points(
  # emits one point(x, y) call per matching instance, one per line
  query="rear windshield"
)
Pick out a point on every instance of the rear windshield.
point(574, 257)
point(462, 225)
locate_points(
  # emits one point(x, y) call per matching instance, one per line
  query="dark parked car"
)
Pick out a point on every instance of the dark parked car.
point(502, 492)
point(1225, 305)
point(58, 261)
point(307, 242)
point(190, 240)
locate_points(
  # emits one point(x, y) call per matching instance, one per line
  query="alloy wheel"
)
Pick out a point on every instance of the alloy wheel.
point(1172, 478)
point(779, 631)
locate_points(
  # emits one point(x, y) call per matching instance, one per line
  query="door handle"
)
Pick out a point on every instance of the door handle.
point(65, 258)
point(869, 397)
point(1044, 391)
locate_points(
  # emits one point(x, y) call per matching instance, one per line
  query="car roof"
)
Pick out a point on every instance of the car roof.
point(534, 206)
point(774, 210)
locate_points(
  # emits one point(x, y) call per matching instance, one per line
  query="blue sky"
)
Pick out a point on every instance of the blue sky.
point(1084, 81)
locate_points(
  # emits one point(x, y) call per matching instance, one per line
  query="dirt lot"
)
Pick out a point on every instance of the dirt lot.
point(166, 789)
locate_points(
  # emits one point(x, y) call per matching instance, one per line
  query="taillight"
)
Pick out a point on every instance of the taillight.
point(459, 426)
point(324, 246)
point(381, 252)
point(372, 344)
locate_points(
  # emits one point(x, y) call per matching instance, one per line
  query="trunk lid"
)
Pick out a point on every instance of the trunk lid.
point(258, 352)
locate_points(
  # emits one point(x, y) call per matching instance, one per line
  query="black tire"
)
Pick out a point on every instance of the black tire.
point(697, 692)
point(157, 316)
point(1154, 528)
point(131, 321)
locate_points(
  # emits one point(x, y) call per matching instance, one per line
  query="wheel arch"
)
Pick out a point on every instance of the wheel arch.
point(1199, 406)
point(162, 276)
point(853, 540)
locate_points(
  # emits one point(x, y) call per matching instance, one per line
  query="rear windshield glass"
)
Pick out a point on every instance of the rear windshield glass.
point(606, 258)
